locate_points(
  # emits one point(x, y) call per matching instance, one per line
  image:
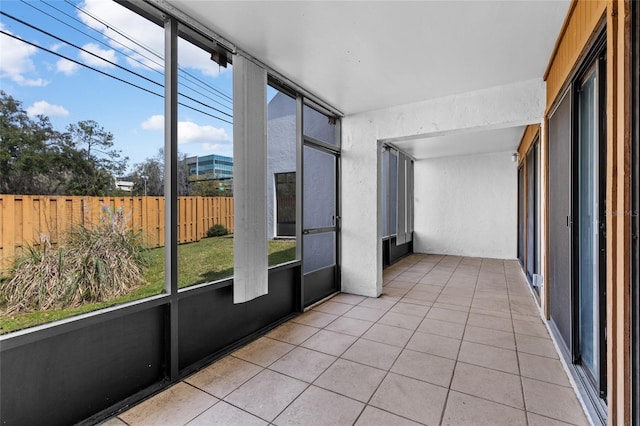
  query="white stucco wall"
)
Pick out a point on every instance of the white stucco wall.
point(467, 206)
point(499, 107)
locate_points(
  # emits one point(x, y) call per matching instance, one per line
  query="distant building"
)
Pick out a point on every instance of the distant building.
point(215, 166)
point(124, 185)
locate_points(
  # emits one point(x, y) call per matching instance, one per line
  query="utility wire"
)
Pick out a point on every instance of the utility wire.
point(108, 75)
point(108, 61)
point(161, 65)
point(117, 31)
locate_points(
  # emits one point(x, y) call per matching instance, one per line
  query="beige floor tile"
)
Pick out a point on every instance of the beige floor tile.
point(488, 321)
point(528, 318)
point(320, 407)
point(556, 402)
point(418, 294)
point(491, 305)
point(394, 292)
point(113, 421)
point(400, 284)
point(351, 379)
point(411, 277)
point(351, 326)
point(291, 332)
point(542, 368)
point(331, 307)
point(537, 420)
point(426, 367)
point(374, 354)
point(179, 404)
point(447, 315)
point(406, 397)
point(410, 309)
point(487, 336)
point(267, 394)
point(378, 303)
point(303, 364)
point(396, 319)
point(224, 376)
point(536, 346)
point(223, 414)
point(351, 299)
point(329, 342)
point(263, 351)
point(433, 344)
point(390, 335)
point(489, 356)
point(455, 300)
point(372, 416)
point(498, 314)
point(367, 314)
point(426, 288)
point(531, 329)
point(406, 299)
point(315, 318)
point(468, 410)
point(485, 383)
point(442, 328)
point(451, 307)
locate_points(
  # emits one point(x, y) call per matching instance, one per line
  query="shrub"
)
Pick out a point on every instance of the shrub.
point(93, 264)
point(217, 230)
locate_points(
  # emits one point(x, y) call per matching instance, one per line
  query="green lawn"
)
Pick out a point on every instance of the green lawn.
point(207, 260)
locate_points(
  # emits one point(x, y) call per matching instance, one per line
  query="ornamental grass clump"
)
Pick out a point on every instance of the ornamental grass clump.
point(93, 264)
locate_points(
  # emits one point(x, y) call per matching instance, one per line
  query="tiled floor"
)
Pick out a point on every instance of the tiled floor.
point(452, 341)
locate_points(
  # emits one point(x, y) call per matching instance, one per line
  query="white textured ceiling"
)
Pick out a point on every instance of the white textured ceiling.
point(463, 143)
point(366, 55)
point(361, 56)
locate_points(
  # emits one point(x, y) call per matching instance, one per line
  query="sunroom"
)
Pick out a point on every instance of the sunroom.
point(426, 197)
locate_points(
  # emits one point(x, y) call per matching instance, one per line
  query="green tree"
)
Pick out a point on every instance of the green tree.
point(28, 151)
point(94, 160)
point(149, 175)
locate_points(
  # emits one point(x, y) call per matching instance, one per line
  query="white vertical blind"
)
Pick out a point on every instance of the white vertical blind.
point(249, 180)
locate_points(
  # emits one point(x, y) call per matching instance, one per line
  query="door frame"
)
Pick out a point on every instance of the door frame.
point(322, 283)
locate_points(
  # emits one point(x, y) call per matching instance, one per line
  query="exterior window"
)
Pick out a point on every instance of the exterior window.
point(286, 204)
point(282, 134)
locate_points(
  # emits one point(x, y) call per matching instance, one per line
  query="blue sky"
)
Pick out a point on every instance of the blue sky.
point(68, 93)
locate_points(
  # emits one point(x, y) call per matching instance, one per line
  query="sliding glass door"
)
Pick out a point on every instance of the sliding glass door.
point(590, 224)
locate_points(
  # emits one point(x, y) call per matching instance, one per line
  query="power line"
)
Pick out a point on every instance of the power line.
point(122, 52)
point(106, 60)
point(121, 33)
point(108, 75)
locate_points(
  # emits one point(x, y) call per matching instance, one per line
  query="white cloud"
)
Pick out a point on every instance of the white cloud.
point(16, 63)
point(145, 33)
point(155, 122)
point(102, 56)
point(67, 67)
point(190, 132)
point(210, 137)
point(45, 108)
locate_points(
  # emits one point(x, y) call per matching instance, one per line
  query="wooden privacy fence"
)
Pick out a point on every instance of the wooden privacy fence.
point(25, 219)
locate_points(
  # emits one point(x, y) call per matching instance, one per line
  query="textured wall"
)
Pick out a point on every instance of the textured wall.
point(467, 206)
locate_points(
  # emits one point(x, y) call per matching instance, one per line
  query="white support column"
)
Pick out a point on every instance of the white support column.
point(249, 180)
point(511, 105)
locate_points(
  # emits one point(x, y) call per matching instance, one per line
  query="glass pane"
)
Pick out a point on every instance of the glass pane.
point(588, 226)
point(205, 167)
point(72, 168)
point(385, 203)
point(281, 169)
point(319, 189)
point(319, 251)
point(393, 193)
point(319, 126)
